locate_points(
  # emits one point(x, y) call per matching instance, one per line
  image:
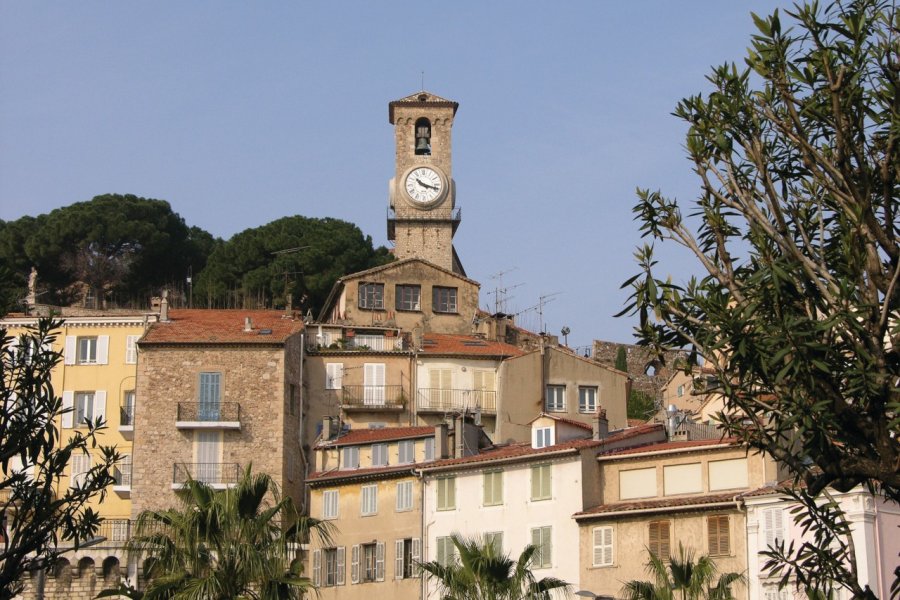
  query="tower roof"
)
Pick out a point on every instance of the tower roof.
point(421, 99)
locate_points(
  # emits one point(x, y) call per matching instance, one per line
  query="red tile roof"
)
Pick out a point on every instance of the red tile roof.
point(669, 446)
point(198, 326)
point(466, 345)
point(348, 475)
point(564, 420)
point(369, 436)
point(636, 422)
point(659, 504)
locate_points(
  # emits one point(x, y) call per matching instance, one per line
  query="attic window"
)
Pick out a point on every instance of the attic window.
point(471, 343)
point(265, 332)
point(422, 97)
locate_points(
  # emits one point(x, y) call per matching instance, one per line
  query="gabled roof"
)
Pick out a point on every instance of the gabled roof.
point(563, 420)
point(200, 326)
point(667, 447)
point(370, 436)
point(661, 505)
point(352, 475)
point(445, 344)
point(422, 98)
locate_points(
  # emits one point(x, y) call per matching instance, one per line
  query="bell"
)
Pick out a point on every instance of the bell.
point(422, 146)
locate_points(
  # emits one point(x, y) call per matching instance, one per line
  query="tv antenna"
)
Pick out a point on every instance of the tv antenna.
point(539, 307)
point(500, 293)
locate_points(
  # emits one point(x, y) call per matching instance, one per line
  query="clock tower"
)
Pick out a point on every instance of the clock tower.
point(422, 215)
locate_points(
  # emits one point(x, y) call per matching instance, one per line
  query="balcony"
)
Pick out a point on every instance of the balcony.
point(122, 475)
point(373, 397)
point(434, 400)
point(208, 415)
point(126, 421)
point(217, 475)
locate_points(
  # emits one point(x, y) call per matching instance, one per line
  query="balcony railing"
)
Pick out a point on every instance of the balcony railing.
point(214, 474)
point(208, 414)
point(373, 396)
point(441, 400)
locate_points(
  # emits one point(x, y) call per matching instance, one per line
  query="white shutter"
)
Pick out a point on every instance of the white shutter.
point(334, 376)
point(398, 559)
point(416, 554)
point(102, 349)
point(79, 465)
point(608, 546)
point(131, 349)
point(317, 568)
point(354, 564)
point(99, 405)
point(340, 566)
point(379, 561)
point(773, 519)
point(373, 381)
point(14, 348)
point(69, 355)
point(603, 548)
point(68, 405)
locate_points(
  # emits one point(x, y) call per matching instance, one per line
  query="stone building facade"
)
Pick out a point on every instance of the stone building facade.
point(648, 374)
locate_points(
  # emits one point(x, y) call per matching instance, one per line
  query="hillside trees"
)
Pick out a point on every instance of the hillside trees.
point(297, 255)
point(795, 229)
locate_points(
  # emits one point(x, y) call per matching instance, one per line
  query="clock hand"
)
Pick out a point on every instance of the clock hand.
point(423, 184)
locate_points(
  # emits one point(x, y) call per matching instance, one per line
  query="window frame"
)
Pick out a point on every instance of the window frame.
point(405, 300)
point(403, 491)
point(583, 405)
point(370, 295)
point(659, 544)
point(603, 547)
point(543, 556)
point(368, 500)
point(446, 493)
point(540, 470)
point(83, 401)
point(368, 571)
point(334, 376)
point(445, 300)
point(445, 551)
point(331, 499)
point(490, 482)
point(352, 451)
point(380, 455)
point(86, 346)
point(555, 402)
point(429, 449)
point(718, 535)
point(543, 437)
point(407, 448)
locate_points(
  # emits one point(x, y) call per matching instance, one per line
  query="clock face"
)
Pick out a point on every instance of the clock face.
point(424, 185)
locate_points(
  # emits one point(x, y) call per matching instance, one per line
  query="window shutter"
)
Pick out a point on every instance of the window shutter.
point(131, 349)
point(773, 519)
point(598, 546)
point(99, 405)
point(724, 536)
point(80, 465)
point(536, 558)
point(340, 566)
point(416, 555)
point(102, 349)
point(653, 542)
point(354, 564)
point(379, 561)
point(664, 540)
point(68, 405)
point(608, 546)
point(398, 559)
point(535, 482)
point(70, 350)
point(317, 568)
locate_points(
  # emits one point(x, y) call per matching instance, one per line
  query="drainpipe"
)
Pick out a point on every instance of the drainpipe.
point(423, 533)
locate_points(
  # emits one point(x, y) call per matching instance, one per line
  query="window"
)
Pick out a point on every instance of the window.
point(682, 479)
point(773, 526)
point(208, 456)
point(84, 407)
point(493, 488)
point(446, 493)
point(429, 449)
point(330, 500)
point(440, 391)
point(409, 297)
point(406, 452)
point(543, 437)
point(372, 557)
point(373, 383)
point(659, 539)
point(87, 350)
point(334, 376)
point(556, 398)
point(379, 455)
point(80, 465)
point(369, 500)
point(351, 457)
point(495, 539)
point(370, 341)
point(328, 567)
point(719, 535)
point(371, 296)
point(404, 496)
point(541, 482)
point(126, 416)
point(446, 551)
point(209, 396)
point(543, 556)
point(637, 483)
point(680, 391)
point(587, 399)
point(131, 349)
point(443, 299)
point(406, 556)
point(603, 546)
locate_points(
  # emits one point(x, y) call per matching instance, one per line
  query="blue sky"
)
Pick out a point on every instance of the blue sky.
point(239, 113)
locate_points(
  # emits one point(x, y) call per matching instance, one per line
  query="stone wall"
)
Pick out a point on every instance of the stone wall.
point(648, 374)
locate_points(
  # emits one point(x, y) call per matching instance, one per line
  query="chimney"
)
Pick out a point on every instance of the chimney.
point(288, 305)
point(326, 428)
point(600, 424)
point(164, 306)
point(248, 324)
point(459, 433)
point(440, 441)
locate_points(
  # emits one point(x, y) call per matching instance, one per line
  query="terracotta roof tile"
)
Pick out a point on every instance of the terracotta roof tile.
point(369, 436)
point(656, 504)
point(563, 420)
point(197, 326)
point(664, 446)
point(353, 474)
point(467, 345)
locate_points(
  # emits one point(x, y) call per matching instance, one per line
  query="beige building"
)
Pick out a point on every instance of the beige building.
point(663, 495)
point(219, 389)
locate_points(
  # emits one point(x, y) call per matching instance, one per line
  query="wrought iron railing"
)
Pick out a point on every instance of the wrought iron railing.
point(441, 400)
point(211, 473)
point(374, 396)
point(209, 411)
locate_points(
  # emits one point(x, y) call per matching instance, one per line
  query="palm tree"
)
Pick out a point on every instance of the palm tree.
point(482, 572)
point(225, 544)
point(682, 578)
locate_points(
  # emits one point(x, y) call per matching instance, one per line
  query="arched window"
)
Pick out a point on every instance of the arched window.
point(423, 136)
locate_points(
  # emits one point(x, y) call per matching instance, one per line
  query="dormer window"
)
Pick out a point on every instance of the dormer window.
point(423, 137)
point(542, 437)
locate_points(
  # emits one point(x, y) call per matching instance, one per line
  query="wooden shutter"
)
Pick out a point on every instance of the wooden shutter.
point(398, 559)
point(354, 564)
point(379, 561)
point(537, 557)
point(80, 465)
point(659, 539)
point(99, 405)
point(416, 555)
point(340, 565)
point(131, 349)
point(102, 349)
point(373, 380)
point(334, 376)
point(603, 546)
point(317, 568)
point(68, 405)
point(70, 350)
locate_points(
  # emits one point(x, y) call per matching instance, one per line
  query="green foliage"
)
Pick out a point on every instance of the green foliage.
point(36, 511)
point(253, 269)
point(682, 578)
point(796, 230)
point(622, 359)
point(234, 543)
point(641, 405)
point(482, 572)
